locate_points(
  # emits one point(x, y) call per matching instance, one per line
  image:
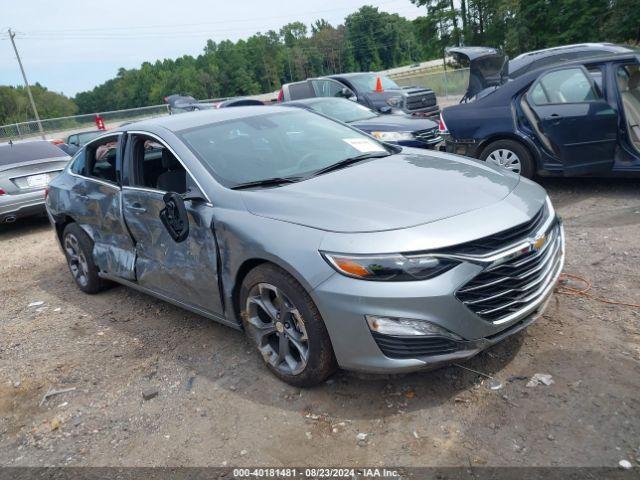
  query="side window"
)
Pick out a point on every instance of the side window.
point(327, 88)
point(570, 85)
point(79, 164)
point(155, 167)
point(100, 159)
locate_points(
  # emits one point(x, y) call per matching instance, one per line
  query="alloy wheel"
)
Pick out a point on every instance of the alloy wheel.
point(508, 159)
point(77, 261)
point(278, 329)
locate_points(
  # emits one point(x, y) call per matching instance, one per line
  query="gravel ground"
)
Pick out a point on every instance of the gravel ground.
point(217, 405)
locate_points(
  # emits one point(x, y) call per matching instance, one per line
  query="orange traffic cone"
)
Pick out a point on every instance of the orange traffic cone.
point(379, 85)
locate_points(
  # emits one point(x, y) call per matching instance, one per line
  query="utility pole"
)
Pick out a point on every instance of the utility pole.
point(26, 83)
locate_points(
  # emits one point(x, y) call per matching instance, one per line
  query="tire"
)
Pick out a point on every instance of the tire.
point(282, 321)
point(78, 248)
point(506, 150)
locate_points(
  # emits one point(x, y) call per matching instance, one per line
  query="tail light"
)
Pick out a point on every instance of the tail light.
point(46, 193)
point(2, 192)
point(56, 141)
point(281, 96)
point(442, 127)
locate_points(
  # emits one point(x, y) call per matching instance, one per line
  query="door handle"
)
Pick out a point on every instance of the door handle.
point(554, 118)
point(137, 208)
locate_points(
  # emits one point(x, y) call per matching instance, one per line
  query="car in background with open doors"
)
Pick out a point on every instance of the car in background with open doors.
point(557, 117)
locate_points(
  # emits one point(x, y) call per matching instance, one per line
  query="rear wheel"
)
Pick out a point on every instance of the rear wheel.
point(511, 155)
point(284, 324)
point(78, 249)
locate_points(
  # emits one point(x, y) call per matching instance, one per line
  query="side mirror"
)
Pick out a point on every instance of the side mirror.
point(174, 216)
point(385, 109)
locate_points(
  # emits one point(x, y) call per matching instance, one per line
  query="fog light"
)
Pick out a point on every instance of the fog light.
point(407, 326)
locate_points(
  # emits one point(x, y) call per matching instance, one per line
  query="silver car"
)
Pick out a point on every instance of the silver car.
point(25, 170)
point(327, 247)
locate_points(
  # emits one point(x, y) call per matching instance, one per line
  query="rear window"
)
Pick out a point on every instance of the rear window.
point(300, 90)
point(366, 82)
point(29, 151)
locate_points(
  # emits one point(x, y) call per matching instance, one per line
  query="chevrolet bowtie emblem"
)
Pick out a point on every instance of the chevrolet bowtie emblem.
point(539, 242)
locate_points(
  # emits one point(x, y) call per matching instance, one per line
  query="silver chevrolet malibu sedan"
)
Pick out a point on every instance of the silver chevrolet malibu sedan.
point(327, 247)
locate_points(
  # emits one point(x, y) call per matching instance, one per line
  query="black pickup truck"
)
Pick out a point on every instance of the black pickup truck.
point(372, 90)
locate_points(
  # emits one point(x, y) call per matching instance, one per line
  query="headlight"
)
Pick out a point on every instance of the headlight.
point(393, 136)
point(389, 268)
point(394, 101)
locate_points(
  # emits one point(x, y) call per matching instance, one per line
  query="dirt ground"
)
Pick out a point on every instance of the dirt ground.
point(217, 405)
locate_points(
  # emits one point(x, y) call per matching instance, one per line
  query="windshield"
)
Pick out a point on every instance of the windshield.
point(343, 110)
point(292, 143)
point(366, 82)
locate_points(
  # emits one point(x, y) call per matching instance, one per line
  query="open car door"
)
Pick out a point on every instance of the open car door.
point(576, 125)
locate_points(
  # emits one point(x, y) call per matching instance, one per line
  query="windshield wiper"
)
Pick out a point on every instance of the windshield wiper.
point(267, 182)
point(349, 161)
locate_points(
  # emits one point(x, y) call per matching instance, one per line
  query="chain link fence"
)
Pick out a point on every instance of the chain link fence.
point(449, 85)
point(63, 126)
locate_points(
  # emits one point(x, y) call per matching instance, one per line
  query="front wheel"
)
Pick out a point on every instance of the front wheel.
point(284, 324)
point(511, 155)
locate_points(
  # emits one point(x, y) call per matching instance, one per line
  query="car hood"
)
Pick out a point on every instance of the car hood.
point(389, 193)
point(394, 123)
point(487, 66)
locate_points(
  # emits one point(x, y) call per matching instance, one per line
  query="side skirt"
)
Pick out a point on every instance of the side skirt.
point(177, 303)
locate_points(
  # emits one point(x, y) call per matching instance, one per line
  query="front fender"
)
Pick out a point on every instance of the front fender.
point(243, 237)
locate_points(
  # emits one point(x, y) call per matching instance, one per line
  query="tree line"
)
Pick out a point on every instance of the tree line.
point(367, 40)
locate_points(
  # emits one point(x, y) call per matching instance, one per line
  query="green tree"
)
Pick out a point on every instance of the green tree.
point(15, 106)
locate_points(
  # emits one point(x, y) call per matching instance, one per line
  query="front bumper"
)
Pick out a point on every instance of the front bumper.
point(344, 303)
point(21, 205)
point(430, 144)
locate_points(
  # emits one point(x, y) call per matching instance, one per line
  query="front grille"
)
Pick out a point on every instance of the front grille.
point(506, 288)
point(413, 346)
point(502, 239)
point(419, 99)
point(427, 136)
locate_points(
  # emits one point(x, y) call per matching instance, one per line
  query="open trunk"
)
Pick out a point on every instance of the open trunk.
point(487, 67)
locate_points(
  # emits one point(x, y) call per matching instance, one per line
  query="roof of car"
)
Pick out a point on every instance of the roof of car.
point(597, 49)
point(184, 121)
point(352, 74)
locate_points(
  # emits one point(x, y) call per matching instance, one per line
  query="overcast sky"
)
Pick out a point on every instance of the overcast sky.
point(73, 45)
